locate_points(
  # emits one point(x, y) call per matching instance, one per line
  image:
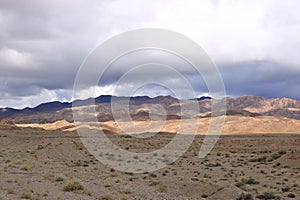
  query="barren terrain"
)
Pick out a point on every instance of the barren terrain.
point(233, 125)
point(39, 164)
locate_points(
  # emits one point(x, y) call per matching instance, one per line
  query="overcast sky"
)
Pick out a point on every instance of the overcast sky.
point(255, 44)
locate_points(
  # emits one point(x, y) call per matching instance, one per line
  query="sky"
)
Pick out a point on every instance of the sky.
point(255, 45)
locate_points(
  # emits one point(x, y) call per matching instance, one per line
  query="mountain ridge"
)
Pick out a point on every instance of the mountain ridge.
point(141, 107)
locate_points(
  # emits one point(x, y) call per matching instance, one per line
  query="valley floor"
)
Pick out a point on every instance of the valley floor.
point(39, 164)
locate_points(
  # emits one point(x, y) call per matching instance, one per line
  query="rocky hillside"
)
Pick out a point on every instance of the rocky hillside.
point(142, 108)
point(280, 107)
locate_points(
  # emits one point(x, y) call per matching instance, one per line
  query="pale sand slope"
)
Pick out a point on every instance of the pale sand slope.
point(232, 125)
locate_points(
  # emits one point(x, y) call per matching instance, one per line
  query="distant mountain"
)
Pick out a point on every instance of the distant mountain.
point(141, 107)
point(53, 111)
point(8, 112)
point(203, 98)
point(280, 107)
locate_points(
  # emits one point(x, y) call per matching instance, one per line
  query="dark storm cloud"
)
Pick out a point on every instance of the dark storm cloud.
point(41, 47)
point(262, 78)
point(43, 43)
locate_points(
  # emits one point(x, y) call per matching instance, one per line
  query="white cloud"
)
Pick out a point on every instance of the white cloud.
point(11, 58)
point(94, 91)
point(236, 31)
point(30, 101)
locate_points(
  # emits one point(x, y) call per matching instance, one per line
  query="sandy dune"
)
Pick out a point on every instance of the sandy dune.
point(232, 125)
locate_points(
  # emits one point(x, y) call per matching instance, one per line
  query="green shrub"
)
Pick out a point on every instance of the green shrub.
point(245, 197)
point(213, 165)
point(39, 147)
point(126, 136)
point(162, 188)
point(195, 179)
point(73, 186)
point(266, 196)
point(154, 183)
point(282, 152)
point(291, 195)
point(59, 179)
point(250, 181)
point(274, 156)
point(117, 180)
point(260, 159)
point(152, 175)
point(25, 168)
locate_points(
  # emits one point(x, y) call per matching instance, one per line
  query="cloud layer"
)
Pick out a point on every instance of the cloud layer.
point(255, 44)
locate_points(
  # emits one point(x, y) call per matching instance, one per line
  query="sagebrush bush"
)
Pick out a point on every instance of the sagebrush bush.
point(73, 186)
point(250, 181)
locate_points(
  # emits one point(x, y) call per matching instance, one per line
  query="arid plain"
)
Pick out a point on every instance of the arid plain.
point(256, 157)
point(40, 164)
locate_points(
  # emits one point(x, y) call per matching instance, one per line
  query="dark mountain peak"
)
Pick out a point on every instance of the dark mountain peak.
point(165, 97)
point(248, 103)
point(7, 109)
point(51, 106)
point(203, 98)
point(140, 98)
point(7, 112)
point(103, 99)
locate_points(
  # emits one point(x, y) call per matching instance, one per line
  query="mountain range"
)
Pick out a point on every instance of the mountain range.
point(142, 108)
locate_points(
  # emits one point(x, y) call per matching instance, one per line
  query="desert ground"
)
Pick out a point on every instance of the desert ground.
point(232, 125)
point(49, 164)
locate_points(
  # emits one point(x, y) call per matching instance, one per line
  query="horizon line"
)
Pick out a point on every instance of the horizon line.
point(108, 95)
